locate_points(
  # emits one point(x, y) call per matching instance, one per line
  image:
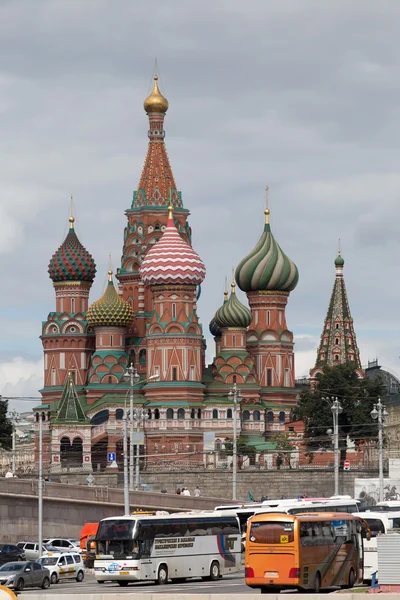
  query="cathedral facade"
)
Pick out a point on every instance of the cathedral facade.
point(148, 318)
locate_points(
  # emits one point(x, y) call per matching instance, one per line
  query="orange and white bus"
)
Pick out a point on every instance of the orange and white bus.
point(306, 551)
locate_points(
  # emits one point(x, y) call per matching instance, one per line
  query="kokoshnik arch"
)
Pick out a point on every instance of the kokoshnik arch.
point(152, 322)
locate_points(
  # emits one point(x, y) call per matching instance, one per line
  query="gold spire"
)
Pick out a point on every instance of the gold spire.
point(110, 274)
point(338, 248)
point(226, 290)
point(266, 211)
point(156, 103)
point(233, 284)
point(170, 212)
point(71, 213)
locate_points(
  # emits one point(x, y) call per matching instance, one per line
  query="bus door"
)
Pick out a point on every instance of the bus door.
point(273, 541)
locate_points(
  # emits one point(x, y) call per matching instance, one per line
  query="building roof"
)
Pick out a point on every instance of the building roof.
point(69, 408)
point(72, 262)
point(267, 267)
point(110, 310)
point(172, 260)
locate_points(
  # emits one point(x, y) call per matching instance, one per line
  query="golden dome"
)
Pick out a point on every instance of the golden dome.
point(155, 103)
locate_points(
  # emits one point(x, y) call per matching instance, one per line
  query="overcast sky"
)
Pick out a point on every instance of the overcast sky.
point(301, 95)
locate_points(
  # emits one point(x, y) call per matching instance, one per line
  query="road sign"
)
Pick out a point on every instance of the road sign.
point(138, 438)
point(346, 465)
point(111, 457)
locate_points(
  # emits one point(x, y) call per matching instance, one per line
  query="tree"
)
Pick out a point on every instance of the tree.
point(5, 426)
point(243, 448)
point(284, 448)
point(356, 396)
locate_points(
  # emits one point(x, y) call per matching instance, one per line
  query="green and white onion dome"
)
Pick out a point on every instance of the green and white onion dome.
point(233, 313)
point(215, 329)
point(110, 310)
point(267, 267)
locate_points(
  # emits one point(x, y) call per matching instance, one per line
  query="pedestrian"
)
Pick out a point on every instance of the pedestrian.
point(185, 492)
point(8, 474)
point(197, 491)
point(164, 491)
point(178, 491)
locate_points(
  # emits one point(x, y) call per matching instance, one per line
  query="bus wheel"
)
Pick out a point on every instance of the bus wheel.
point(214, 571)
point(317, 583)
point(179, 580)
point(123, 583)
point(162, 577)
point(352, 580)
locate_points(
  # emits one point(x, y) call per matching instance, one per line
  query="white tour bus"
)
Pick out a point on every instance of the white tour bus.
point(378, 523)
point(158, 548)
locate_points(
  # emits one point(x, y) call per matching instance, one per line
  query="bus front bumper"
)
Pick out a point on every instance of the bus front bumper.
point(102, 574)
point(259, 582)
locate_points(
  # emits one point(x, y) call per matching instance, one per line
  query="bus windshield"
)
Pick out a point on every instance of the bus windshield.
point(116, 538)
point(271, 532)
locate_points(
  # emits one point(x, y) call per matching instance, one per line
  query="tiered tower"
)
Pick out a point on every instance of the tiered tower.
point(147, 219)
point(338, 343)
point(67, 338)
point(268, 276)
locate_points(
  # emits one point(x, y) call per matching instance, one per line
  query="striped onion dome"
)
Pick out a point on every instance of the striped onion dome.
point(172, 260)
point(267, 267)
point(111, 310)
point(215, 329)
point(233, 313)
point(72, 262)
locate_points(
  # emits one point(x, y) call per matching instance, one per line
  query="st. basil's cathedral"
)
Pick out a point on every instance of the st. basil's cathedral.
point(150, 321)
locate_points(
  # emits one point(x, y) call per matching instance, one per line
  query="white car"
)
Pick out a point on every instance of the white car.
point(31, 549)
point(63, 565)
point(63, 544)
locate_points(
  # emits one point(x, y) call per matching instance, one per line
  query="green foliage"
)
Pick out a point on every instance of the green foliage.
point(5, 426)
point(283, 447)
point(243, 449)
point(356, 396)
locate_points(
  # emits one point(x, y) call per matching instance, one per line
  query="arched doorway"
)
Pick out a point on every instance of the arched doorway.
point(65, 446)
point(76, 452)
point(99, 454)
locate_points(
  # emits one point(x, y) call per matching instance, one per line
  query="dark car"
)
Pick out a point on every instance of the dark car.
point(9, 553)
point(22, 574)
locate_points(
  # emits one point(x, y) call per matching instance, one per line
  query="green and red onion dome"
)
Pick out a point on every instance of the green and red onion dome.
point(233, 313)
point(72, 262)
point(267, 267)
point(111, 310)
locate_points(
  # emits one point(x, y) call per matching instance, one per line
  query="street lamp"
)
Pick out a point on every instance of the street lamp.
point(379, 412)
point(235, 395)
point(14, 418)
point(336, 409)
point(139, 414)
point(132, 376)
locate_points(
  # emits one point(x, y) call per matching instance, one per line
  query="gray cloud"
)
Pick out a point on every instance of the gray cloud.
point(302, 96)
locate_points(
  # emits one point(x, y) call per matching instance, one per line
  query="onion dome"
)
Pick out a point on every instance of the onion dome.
point(267, 267)
point(155, 103)
point(233, 313)
point(72, 262)
point(171, 260)
point(215, 329)
point(339, 262)
point(111, 310)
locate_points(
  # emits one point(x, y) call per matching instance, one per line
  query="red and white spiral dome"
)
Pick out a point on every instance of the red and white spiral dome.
point(172, 260)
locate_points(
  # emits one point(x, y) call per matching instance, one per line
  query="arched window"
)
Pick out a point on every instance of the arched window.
point(119, 414)
point(192, 413)
point(270, 416)
point(229, 413)
point(199, 413)
point(110, 379)
point(142, 356)
point(337, 325)
point(256, 415)
point(181, 413)
point(246, 415)
point(100, 418)
point(217, 445)
point(170, 413)
point(336, 357)
point(337, 341)
point(149, 413)
point(215, 414)
point(156, 414)
point(282, 417)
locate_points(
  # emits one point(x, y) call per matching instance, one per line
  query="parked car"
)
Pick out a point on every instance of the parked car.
point(23, 574)
point(10, 553)
point(31, 549)
point(63, 565)
point(63, 544)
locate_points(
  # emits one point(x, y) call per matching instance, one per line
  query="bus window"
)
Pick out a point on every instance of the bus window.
point(376, 526)
point(396, 523)
point(272, 532)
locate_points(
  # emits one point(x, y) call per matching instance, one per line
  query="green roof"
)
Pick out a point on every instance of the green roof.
point(70, 409)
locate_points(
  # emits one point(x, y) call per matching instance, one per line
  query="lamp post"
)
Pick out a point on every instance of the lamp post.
point(125, 451)
point(379, 412)
point(139, 414)
point(14, 418)
point(132, 376)
point(336, 409)
point(235, 395)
